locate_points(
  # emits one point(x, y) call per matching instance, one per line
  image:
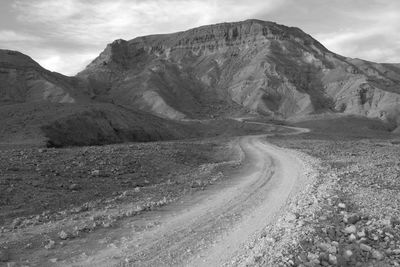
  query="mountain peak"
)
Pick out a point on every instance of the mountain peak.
point(16, 59)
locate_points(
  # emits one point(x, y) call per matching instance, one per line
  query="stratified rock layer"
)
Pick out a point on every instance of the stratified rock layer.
point(262, 66)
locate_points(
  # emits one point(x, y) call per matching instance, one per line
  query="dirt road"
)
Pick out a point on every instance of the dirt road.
point(211, 227)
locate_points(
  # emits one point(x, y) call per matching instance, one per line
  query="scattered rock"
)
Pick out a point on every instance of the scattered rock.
point(365, 247)
point(95, 172)
point(50, 244)
point(347, 254)
point(353, 219)
point(342, 205)
point(332, 259)
point(396, 251)
point(352, 238)
point(63, 235)
point(361, 234)
point(376, 254)
point(351, 229)
point(74, 187)
point(313, 258)
point(327, 248)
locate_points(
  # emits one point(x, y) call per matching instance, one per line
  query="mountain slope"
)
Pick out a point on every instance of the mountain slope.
point(23, 80)
point(255, 65)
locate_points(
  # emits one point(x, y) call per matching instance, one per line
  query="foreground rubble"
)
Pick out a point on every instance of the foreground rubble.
point(348, 216)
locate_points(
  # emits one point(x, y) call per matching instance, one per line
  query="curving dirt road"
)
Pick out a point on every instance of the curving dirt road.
point(212, 226)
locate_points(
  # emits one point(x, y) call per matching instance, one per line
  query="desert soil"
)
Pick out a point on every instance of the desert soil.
point(271, 200)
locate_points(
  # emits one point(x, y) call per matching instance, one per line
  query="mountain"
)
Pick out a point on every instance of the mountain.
point(22, 80)
point(42, 107)
point(253, 65)
point(133, 89)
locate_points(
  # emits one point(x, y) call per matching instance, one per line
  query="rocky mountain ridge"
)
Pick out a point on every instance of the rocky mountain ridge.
point(218, 70)
point(262, 66)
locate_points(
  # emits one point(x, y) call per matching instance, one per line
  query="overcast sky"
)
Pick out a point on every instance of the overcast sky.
point(65, 35)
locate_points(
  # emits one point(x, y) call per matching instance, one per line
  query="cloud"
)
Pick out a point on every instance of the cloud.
point(374, 39)
point(70, 64)
point(56, 31)
point(97, 21)
point(8, 36)
point(90, 25)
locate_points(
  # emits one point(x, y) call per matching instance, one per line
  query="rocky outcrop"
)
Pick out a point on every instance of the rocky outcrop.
point(260, 66)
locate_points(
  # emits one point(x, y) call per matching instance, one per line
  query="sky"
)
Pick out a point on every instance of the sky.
point(65, 35)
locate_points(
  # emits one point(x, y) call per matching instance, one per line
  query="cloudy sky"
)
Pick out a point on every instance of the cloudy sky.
point(65, 35)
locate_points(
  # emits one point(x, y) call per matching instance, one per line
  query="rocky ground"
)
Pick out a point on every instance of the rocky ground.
point(50, 196)
point(349, 213)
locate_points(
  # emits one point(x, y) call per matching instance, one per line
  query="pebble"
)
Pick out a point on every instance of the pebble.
point(95, 172)
point(353, 219)
point(314, 258)
point(50, 245)
point(396, 251)
point(347, 254)
point(327, 248)
point(361, 234)
point(63, 235)
point(376, 254)
point(342, 205)
point(365, 247)
point(74, 187)
point(351, 229)
point(352, 238)
point(332, 259)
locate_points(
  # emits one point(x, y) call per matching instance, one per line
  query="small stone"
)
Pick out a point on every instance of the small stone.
point(376, 254)
point(332, 259)
point(353, 219)
point(396, 251)
point(74, 187)
point(352, 238)
point(54, 260)
point(365, 247)
point(327, 248)
point(342, 205)
point(50, 245)
point(347, 254)
point(12, 264)
point(314, 258)
point(95, 172)
point(351, 229)
point(63, 235)
point(41, 150)
point(361, 234)
point(107, 224)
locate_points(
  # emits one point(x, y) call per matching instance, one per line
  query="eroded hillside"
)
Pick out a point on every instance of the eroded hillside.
point(260, 66)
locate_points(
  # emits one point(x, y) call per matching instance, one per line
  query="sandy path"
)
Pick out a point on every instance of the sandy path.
point(211, 227)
